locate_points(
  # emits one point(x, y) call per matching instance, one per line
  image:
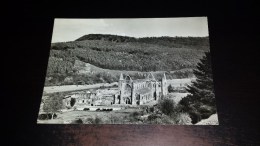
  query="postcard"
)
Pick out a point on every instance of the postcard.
point(129, 71)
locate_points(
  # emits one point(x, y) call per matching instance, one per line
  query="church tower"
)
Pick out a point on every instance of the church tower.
point(120, 87)
point(121, 79)
point(164, 85)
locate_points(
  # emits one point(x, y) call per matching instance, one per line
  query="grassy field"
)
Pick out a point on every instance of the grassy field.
point(106, 117)
point(180, 82)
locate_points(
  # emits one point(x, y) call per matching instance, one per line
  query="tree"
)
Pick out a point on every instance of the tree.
point(167, 106)
point(170, 88)
point(53, 104)
point(201, 90)
point(201, 99)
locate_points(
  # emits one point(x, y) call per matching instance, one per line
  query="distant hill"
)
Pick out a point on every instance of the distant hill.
point(107, 37)
point(119, 53)
point(201, 43)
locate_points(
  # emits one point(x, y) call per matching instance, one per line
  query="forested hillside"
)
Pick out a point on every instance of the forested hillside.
point(200, 43)
point(126, 53)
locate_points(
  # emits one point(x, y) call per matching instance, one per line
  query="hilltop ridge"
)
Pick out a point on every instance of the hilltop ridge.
point(196, 42)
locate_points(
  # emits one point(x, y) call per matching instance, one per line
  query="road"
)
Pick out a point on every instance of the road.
point(65, 88)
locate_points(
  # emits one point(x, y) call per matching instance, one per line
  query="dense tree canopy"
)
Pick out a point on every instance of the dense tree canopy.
point(179, 54)
point(143, 54)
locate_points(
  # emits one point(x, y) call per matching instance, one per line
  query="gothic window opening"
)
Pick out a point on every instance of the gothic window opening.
point(128, 79)
point(127, 90)
point(154, 95)
point(127, 101)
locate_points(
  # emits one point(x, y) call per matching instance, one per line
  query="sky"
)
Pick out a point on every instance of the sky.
point(71, 29)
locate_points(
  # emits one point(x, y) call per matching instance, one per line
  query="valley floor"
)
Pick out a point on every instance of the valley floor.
point(120, 113)
point(66, 88)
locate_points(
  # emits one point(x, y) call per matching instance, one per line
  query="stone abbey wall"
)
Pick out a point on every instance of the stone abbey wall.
point(138, 92)
point(94, 98)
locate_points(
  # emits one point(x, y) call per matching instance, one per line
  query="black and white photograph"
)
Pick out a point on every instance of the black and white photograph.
point(129, 71)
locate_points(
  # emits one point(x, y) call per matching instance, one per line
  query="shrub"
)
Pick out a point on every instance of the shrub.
point(167, 106)
point(107, 109)
point(95, 120)
point(185, 104)
point(151, 109)
point(115, 120)
point(43, 117)
point(77, 121)
point(46, 116)
point(195, 117)
point(85, 109)
point(167, 120)
point(153, 117)
point(89, 121)
point(135, 114)
point(54, 116)
point(156, 121)
point(134, 117)
point(206, 111)
point(114, 85)
point(183, 119)
point(160, 119)
point(170, 88)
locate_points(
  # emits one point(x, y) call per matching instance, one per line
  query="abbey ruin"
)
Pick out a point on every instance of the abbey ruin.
point(141, 91)
point(129, 92)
